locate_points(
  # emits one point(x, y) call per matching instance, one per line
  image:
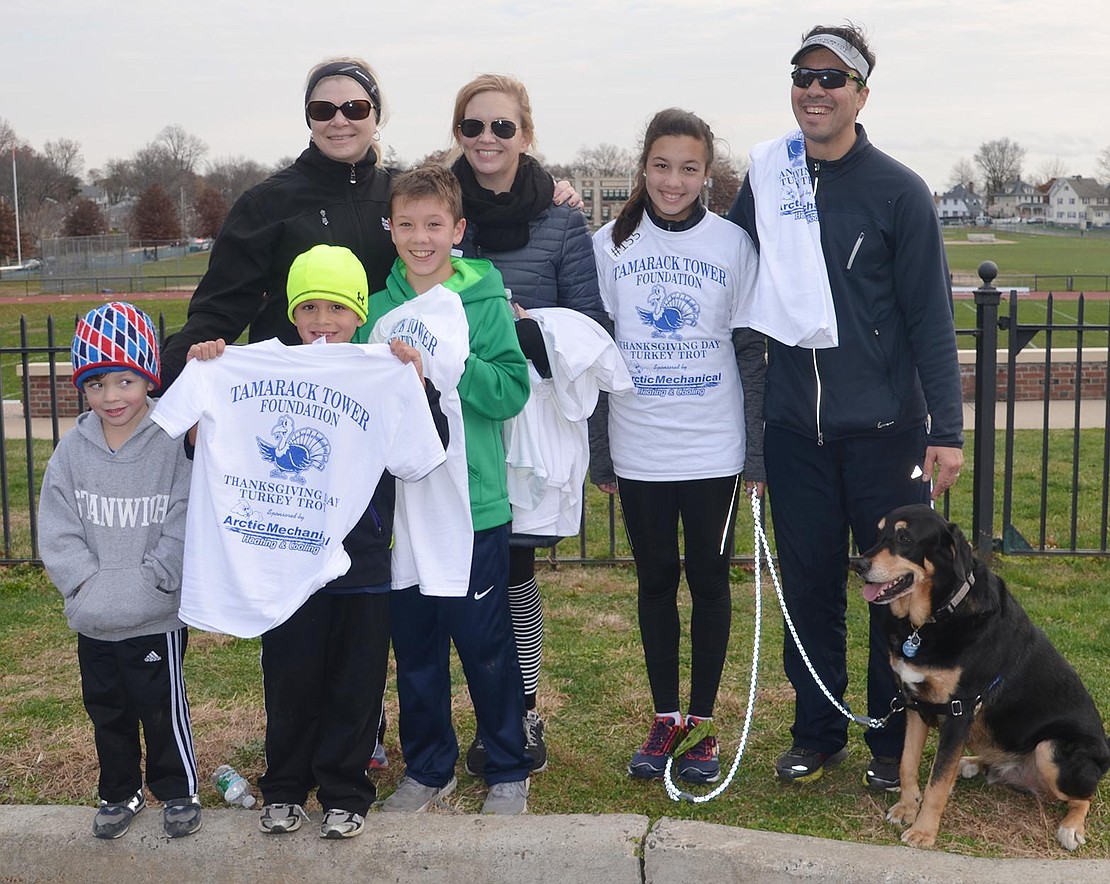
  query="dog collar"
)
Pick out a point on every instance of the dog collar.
point(959, 596)
point(912, 644)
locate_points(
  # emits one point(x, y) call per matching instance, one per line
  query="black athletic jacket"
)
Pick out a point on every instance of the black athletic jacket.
point(315, 200)
point(896, 362)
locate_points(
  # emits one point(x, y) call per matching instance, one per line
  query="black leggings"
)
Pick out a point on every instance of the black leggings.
point(708, 512)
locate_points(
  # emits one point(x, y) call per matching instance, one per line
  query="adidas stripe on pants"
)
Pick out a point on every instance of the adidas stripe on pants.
point(132, 681)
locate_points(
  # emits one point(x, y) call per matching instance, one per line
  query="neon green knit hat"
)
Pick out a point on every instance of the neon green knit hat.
point(331, 273)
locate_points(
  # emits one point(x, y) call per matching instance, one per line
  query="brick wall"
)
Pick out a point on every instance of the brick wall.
point(1029, 375)
point(1029, 380)
point(43, 397)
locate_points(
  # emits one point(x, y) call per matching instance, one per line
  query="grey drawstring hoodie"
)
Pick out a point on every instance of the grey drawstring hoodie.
point(112, 529)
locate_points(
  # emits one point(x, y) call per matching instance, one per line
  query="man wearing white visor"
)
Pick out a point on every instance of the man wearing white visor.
point(863, 403)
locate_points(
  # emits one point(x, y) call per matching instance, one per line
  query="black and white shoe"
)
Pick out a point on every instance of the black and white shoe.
point(113, 818)
point(277, 819)
point(341, 824)
point(181, 816)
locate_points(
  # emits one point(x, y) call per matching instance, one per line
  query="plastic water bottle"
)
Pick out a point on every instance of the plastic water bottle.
point(232, 786)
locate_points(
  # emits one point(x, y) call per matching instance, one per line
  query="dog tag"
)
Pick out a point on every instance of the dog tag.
point(911, 644)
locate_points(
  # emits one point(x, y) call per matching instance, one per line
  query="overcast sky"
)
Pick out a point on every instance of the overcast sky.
point(950, 74)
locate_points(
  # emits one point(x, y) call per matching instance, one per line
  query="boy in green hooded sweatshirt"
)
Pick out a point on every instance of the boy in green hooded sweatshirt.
point(451, 557)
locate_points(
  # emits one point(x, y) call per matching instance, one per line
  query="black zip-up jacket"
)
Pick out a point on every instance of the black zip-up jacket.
point(316, 200)
point(896, 362)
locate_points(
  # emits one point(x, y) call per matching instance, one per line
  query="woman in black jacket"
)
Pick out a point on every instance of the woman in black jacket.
point(335, 193)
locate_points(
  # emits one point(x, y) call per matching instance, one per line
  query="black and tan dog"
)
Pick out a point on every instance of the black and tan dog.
point(971, 663)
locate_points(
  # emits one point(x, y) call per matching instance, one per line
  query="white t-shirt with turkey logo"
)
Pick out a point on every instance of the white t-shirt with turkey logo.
point(292, 442)
point(674, 297)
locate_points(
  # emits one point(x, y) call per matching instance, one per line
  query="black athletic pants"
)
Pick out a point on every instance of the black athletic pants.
point(651, 511)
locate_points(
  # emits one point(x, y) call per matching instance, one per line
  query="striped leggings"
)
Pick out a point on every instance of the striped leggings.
point(527, 614)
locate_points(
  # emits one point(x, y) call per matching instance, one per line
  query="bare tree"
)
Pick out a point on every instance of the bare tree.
point(604, 159)
point(1049, 169)
point(963, 172)
point(1104, 166)
point(725, 180)
point(8, 138)
point(1000, 161)
point(183, 150)
point(65, 153)
point(230, 177)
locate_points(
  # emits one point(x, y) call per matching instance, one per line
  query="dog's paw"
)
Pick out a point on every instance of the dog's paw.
point(919, 837)
point(1070, 839)
point(969, 767)
point(904, 812)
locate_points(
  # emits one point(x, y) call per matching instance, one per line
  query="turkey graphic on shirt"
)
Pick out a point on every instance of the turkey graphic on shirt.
point(669, 312)
point(294, 451)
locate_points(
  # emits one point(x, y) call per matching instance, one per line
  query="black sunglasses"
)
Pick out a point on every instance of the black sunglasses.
point(504, 129)
point(322, 111)
point(829, 78)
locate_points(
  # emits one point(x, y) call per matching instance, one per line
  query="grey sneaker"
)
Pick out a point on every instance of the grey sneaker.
point(341, 824)
point(181, 816)
point(507, 799)
point(277, 819)
point(113, 819)
point(414, 797)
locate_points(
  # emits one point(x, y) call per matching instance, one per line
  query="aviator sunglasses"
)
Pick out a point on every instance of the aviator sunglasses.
point(322, 111)
point(829, 78)
point(503, 129)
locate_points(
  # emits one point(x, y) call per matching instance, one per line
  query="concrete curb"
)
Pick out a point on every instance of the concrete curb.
point(54, 843)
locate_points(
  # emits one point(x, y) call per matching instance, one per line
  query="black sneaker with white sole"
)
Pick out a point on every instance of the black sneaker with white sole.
point(882, 774)
point(801, 765)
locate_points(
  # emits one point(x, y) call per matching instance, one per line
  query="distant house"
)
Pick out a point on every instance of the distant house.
point(1018, 199)
point(960, 205)
point(1078, 202)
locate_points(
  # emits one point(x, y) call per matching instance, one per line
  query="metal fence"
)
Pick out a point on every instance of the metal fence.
point(1054, 469)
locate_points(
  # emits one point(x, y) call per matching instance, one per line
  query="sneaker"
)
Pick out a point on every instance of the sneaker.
point(507, 799)
point(700, 763)
point(650, 760)
point(277, 819)
point(181, 816)
point(379, 760)
point(806, 765)
point(341, 824)
point(882, 774)
point(534, 746)
point(414, 797)
point(476, 758)
point(114, 818)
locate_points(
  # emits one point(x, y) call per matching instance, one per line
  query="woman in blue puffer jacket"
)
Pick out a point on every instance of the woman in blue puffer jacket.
point(545, 254)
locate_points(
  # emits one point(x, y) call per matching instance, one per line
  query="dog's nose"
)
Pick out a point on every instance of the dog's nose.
point(859, 564)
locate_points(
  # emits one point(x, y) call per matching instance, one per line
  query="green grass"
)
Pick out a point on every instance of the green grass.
point(594, 696)
point(1029, 253)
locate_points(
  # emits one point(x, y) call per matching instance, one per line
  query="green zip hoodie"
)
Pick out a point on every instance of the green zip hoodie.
point(494, 384)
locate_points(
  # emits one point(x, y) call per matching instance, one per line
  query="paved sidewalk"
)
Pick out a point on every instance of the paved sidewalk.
point(55, 844)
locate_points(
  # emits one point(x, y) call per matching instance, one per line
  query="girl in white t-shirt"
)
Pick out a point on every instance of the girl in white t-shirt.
point(676, 281)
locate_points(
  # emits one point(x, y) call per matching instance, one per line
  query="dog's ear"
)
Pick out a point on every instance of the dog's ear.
point(963, 556)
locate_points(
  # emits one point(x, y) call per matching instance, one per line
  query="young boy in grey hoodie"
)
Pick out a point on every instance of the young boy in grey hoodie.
point(112, 530)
